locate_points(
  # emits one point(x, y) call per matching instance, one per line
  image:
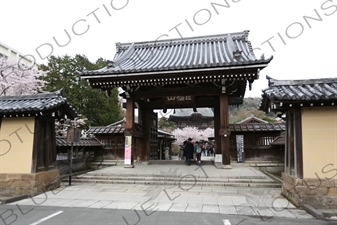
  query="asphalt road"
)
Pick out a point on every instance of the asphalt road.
point(34, 215)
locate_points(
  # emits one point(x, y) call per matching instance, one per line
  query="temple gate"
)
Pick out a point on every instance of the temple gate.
point(207, 71)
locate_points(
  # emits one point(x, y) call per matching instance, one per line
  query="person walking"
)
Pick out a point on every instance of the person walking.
point(182, 151)
point(197, 150)
point(189, 150)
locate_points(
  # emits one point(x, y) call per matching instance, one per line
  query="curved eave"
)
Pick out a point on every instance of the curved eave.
point(112, 74)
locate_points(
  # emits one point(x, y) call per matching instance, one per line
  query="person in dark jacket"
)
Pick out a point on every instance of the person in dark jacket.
point(189, 150)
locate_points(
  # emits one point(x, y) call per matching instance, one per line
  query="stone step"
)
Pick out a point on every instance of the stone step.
point(103, 174)
point(188, 180)
point(172, 178)
point(177, 162)
point(181, 183)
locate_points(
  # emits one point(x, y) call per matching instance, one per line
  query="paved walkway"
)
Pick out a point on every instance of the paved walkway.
point(237, 171)
point(263, 202)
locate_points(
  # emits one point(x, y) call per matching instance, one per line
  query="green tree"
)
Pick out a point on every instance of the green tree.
point(95, 105)
point(165, 125)
point(249, 107)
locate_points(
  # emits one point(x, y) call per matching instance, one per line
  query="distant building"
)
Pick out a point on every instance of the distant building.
point(83, 153)
point(256, 138)
point(202, 118)
point(113, 139)
point(12, 54)
point(253, 134)
point(251, 119)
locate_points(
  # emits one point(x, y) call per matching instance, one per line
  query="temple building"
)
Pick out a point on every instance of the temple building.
point(202, 118)
point(310, 109)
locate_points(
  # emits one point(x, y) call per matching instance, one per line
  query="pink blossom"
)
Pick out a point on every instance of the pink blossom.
point(19, 79)
point(192, 132)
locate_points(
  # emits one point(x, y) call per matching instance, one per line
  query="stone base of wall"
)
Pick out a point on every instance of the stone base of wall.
point(319, 193)
point(31, 184)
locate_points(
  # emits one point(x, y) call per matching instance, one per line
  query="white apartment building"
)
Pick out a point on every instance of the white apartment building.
point(12, 54)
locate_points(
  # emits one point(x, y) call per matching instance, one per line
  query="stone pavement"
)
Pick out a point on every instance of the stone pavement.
point(243, 200)
point(237, 171)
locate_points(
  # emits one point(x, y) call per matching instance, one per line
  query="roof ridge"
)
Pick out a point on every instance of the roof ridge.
point(251, 117)
point(274, 82)
point(235, 35)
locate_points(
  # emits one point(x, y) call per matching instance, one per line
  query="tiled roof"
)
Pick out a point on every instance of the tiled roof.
point(166, 135)
point(249, 127)
point(251, 119)
point(161, 132)
point(62, 142)
point(30, 105)
point(212, 51)
point(312, 91)
point(280, 140)
point(305, 90)
point(106, 130)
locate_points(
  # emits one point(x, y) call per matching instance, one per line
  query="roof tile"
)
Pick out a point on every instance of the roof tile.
point(36, 103)
point(249, 127)
point(307, 90)
point(84, 141)
point(187, 53)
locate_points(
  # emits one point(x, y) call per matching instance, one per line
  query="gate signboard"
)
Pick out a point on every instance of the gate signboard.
point(179, 100)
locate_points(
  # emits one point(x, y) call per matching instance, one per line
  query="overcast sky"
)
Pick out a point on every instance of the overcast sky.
point(303, 47)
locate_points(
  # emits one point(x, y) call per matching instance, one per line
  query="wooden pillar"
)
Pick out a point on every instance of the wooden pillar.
point(224, 126)
point(146, 122)
point(286, 150)
point(129, 126)
point(130, 114)
point(290, 142)
point(217, 139)
point(298, 144)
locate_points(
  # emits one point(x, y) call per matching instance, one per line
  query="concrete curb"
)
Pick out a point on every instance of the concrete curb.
point(273, 177)
point(12, 199)
point(314, 212)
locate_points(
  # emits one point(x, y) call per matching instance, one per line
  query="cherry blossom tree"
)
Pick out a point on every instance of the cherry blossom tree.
point(17, 78)
point(208, 132)
point(20, 79)
point(62, 126)
point(192, 132)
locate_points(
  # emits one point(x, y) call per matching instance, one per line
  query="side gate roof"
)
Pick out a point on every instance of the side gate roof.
point(36, 105)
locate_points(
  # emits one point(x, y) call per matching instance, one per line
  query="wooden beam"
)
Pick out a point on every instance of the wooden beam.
point(164, 92)
point(173, 77)
point(199, 103)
